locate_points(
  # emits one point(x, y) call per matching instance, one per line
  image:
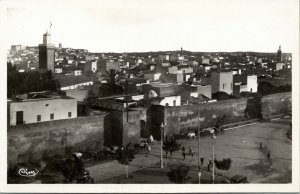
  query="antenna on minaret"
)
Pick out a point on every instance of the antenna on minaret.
point(50, 27)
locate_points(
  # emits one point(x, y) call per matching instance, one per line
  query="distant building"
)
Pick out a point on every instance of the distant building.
point(164, 57)
point(186, 69)
point(204, 90)
point(77, 72)
point(40, 108)
point(80, 94)
point(58, 70)
point(280, 66)
point(165, 101)
point(245, 84)
point(46, 53)
point(160, 89)
point(151, 75)
point(205, 61)
point(222, 82)
point(237, 71)
point(173, 70)
point(90, 58)
point(105, 66)
point(165, 64)
point(17, 48)
point(70, 82)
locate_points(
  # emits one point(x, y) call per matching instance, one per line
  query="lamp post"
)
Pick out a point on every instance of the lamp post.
point(161, 145)
point(198, 136)
point(213, 157)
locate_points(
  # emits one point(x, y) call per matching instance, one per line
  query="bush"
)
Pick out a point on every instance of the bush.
point(178, 173)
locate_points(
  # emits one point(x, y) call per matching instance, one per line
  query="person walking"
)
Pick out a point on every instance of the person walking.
point(191, 153)
point(151, 138)
point(269, 154)
point(183, 152)
point(148, 148)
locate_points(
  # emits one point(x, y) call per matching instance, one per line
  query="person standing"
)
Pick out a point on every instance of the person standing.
point(191, 153)
point(269, 154)
point(183, 152)
point(202, 160)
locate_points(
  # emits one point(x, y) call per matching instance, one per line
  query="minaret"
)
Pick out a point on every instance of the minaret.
point(47, 53)
point(279, 54)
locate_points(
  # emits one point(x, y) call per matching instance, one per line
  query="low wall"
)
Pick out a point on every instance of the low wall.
point(184, 118)
point(273, 104)
point(54, 138)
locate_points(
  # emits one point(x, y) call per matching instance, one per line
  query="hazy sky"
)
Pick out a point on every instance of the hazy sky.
point(140, 25)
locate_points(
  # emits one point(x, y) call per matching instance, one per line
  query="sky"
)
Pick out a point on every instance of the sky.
point(156, 25)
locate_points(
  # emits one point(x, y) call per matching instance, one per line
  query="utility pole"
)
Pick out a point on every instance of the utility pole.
point(213, 163)
point(213, 157)
point(126, 96)
point(199, 136)
point(162, 126)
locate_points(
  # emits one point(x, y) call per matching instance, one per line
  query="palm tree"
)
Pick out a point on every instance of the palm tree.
point(112, 88)
point(112, 74)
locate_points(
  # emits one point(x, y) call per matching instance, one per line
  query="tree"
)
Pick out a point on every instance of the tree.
point(171, 145)
point(253, 108)
point(223, 164)
point(265, 88)
point(112, 74)
point(178, 173)
point(112, 88)
point(220, 96)
point(31, 81)
point(124, 157)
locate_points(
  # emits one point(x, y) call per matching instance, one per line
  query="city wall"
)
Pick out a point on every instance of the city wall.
point(182, 119)
point(280, 103)
point(37, 141)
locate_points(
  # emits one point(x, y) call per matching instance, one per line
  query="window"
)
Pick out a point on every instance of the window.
point(38, 118)
point(69, 114)
point(51, 116)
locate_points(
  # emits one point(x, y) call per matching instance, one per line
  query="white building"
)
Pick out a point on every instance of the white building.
point(222, 82)
point(94, 66)
point(152, 76)
point(58, 70)
point(279, 66)
point(77, 72)
point(205, 61)
point(252, 83)
point(41, 109)
point(164, 101)
point(70, 82)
